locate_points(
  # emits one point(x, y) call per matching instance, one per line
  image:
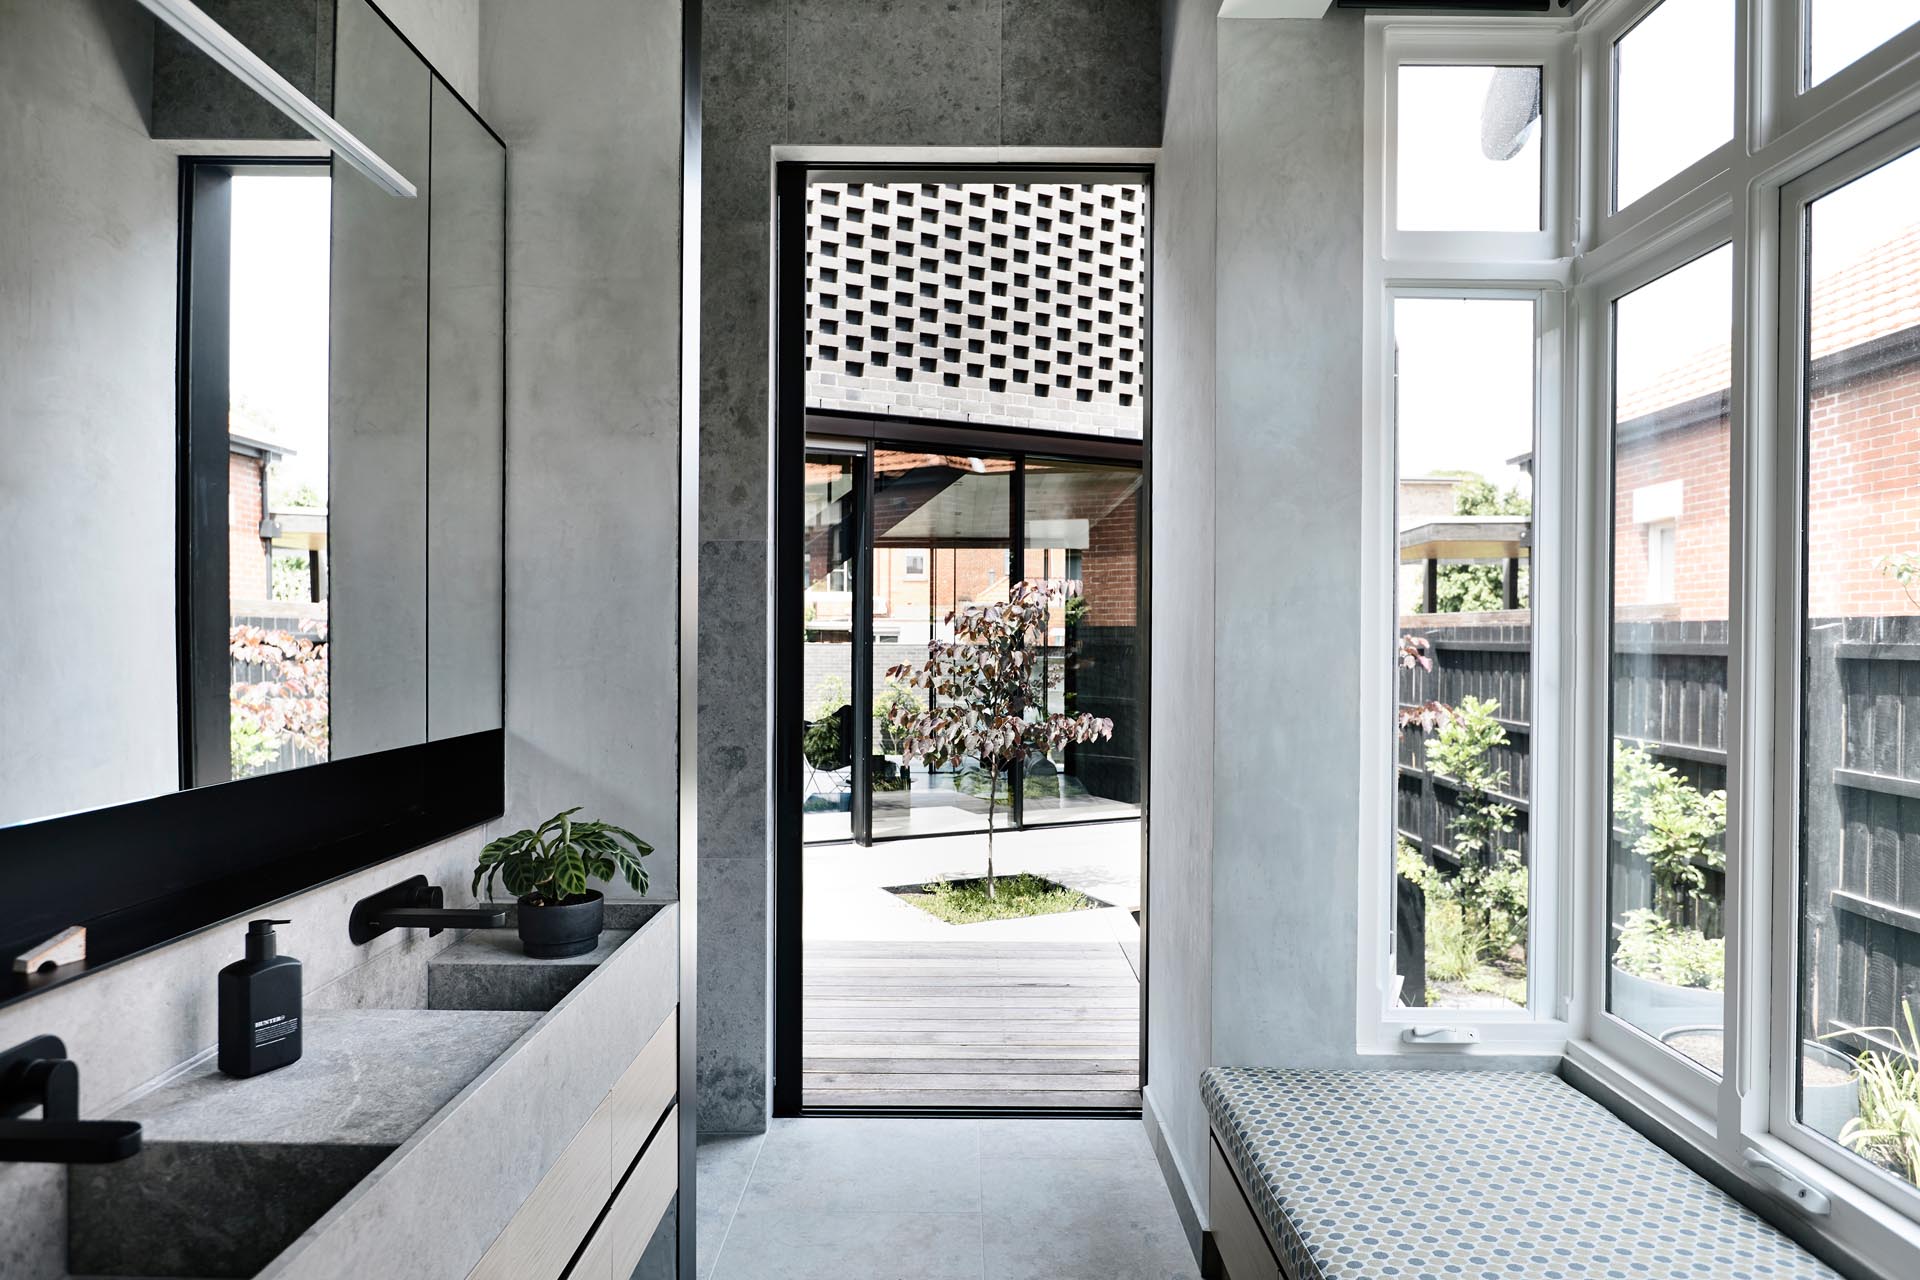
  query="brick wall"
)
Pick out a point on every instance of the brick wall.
point(1110, 566)
point(1015, 305)
point(1864, 485)
point(247, 572)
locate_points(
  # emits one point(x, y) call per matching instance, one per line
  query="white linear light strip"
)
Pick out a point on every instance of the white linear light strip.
point(192, 22)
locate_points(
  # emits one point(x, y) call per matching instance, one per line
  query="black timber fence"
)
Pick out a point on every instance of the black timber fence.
point(1859, 908)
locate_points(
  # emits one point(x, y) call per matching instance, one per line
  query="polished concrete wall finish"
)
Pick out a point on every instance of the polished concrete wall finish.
point(933, 73)
point(587, 95)
point(1179, 890)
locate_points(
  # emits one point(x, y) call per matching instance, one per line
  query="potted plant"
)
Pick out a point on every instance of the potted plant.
point(1666, 977)
point(547, 868)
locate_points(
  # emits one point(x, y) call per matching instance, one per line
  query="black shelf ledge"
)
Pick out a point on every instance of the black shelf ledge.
point(141, 875)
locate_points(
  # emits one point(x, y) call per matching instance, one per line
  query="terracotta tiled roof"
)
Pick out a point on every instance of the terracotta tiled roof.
point(1877, 295)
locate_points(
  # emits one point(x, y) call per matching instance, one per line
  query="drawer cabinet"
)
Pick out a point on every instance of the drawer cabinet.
point(610, 1174)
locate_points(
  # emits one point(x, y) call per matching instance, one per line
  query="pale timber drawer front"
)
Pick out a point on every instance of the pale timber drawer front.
point(606, 1156)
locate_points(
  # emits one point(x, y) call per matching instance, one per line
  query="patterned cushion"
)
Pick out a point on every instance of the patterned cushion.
point(1432, 1175)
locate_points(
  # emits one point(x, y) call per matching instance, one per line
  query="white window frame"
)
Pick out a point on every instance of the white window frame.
point(1690, 1086)
point(1480, 45)
point(907, 573)
point(1601, 31)
point(1788, 146)
point(1512, 265)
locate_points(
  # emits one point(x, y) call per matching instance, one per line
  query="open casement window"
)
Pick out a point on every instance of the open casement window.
point(1469, 130)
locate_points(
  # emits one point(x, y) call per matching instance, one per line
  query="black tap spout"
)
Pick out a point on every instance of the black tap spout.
point(39, 1074)
point(415, 904)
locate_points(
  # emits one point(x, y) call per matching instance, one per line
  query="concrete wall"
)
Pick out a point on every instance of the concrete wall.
point(1287, 474)
point(928, 73)
point(447, 33)
point(88, 244)
point(587, 95)
point(1181, 795)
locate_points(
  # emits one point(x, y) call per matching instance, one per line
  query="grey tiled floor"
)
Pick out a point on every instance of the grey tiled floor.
point(887, 1199)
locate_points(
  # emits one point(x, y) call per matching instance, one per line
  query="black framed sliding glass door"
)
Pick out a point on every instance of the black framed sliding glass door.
point(942, 539)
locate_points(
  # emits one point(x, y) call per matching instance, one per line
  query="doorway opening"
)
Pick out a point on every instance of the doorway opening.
point(962, 386)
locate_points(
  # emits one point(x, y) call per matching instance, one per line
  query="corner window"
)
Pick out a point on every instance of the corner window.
point(1668, 693)
point(1673, 93)
point(1463, 414)
point(1469, 148)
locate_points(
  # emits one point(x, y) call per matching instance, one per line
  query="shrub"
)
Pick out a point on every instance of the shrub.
point(1887, 1130)
point(1653, 949)
point(1492, 882)
point(1674, 825)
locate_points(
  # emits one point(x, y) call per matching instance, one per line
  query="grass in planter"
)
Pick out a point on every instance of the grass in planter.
point(966, 901)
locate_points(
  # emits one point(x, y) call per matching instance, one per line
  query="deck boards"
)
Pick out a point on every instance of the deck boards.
point(970, 1024)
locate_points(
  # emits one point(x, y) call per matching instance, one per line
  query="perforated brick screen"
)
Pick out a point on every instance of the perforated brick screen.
point(1021, 305)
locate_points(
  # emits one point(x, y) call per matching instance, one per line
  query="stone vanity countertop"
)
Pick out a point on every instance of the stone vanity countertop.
point(499, 946)
point(370, 1076)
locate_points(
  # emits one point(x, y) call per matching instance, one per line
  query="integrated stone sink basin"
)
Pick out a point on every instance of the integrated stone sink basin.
point(232, 1171)
point(488, 970)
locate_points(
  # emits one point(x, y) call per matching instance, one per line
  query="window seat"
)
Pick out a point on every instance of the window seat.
point(1351, 1174)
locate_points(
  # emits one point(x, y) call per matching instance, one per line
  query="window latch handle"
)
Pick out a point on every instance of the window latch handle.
point(1775, 1176)
point(1440, 1036)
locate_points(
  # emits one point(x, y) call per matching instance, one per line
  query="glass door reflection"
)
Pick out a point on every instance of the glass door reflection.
point(828, 739)
point(942, 540)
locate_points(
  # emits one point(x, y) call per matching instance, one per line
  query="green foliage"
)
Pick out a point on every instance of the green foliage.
point(1675, 826)
point(969, 902)
point(1458, 949)
point(291, 580)
point(1476, 495)
point(1904, 568)
point(1887, 1130)
point(1653, 949)
point(1492, 880)
point(250, 748)
point(1479, 588)
point(1076, 610)
point(555, 861)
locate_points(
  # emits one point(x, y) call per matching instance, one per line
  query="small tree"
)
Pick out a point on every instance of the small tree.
point(1492, 877)
point(980, 688)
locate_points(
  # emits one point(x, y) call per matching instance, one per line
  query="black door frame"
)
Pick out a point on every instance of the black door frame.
point(792, 419)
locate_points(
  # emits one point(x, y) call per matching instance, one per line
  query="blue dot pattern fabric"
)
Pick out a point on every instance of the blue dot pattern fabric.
point(1474, 1175)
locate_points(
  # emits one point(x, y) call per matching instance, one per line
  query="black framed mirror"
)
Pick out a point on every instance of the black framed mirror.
point(251, 616)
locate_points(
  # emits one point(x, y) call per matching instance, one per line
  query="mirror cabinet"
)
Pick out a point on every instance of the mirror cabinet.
point(251, 460)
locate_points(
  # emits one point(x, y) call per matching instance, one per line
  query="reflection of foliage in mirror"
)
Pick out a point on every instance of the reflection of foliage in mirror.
point(249, 747)
point(290, 705)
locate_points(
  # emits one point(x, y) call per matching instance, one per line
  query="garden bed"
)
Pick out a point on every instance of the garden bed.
point(1018, 897)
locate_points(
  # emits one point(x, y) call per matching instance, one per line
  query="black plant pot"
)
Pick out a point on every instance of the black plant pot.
point(570, 928)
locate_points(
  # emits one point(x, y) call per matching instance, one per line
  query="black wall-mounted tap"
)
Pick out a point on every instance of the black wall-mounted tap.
point(38, 1073)
point(415, 904)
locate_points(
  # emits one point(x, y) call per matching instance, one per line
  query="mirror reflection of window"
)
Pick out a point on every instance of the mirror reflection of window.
point(277, 562)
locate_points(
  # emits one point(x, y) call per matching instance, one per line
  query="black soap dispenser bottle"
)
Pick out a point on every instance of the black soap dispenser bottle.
point(260, 1006)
